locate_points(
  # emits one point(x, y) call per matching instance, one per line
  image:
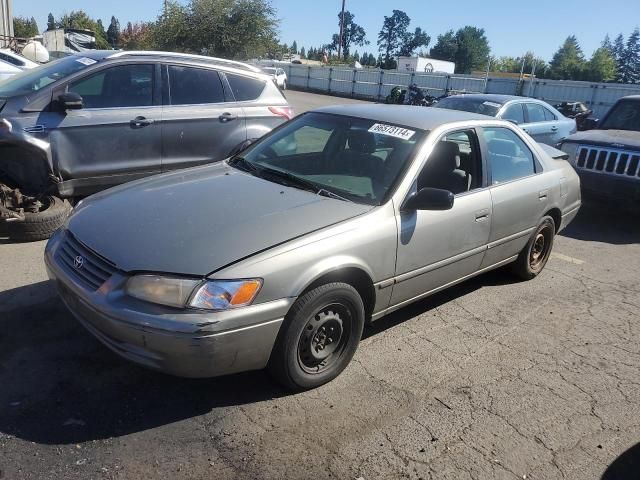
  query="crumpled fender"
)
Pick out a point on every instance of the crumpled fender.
point(25, 160)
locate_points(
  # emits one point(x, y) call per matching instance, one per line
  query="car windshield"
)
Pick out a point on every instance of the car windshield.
point(269, 70)
point(30, 81)
point(473, 105)
point(348, 158)
point(625, 115)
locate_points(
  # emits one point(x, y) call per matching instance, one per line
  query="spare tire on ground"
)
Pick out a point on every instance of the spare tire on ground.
point(40, 225)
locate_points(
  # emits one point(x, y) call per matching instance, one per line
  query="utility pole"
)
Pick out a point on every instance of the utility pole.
point(341, 29)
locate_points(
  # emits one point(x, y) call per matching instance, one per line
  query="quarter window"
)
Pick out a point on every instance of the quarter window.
point(509, 158)
point(245, 88)
point(120, 86)
point(514, 113)
point(548, 115)
point(535, 112)
point(194, 86)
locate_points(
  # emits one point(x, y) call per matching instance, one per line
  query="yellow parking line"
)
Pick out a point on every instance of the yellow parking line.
point(567, 258)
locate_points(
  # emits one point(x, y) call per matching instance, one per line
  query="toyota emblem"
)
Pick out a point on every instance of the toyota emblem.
point(78, 262)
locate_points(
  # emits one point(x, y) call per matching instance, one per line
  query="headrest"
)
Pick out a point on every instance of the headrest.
point(446, 155)
point(361, 141)
point(502, 147)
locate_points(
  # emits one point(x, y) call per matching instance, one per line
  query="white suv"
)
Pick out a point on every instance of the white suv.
point(279, 76)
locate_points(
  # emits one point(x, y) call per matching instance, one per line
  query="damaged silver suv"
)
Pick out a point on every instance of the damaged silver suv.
point(97, 119)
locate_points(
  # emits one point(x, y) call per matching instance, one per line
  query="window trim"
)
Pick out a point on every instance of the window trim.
point(537, 165)
point(64, 88)
point(233, 96)
point(509, 105)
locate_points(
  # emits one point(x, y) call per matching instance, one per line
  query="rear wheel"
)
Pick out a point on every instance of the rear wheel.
point(40, 225)
point(535, 254)
point(320, 336)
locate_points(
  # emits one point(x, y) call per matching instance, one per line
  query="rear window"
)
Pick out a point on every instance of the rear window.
point(193, 86)
point(473, 105)
point(245, 88)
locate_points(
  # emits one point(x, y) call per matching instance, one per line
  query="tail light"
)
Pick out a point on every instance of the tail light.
point(284, 112)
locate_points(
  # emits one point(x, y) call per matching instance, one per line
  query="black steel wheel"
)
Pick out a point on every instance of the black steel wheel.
point(319, 337)
point(535, 254)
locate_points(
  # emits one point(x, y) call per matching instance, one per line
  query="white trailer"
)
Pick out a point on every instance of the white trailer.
point(425, 65)
point(68, 40)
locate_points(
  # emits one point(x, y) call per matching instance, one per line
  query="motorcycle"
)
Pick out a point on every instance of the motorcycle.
point(398, 96)
point(578, 111)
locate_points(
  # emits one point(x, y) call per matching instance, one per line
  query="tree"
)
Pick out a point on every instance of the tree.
point(630, 60)
point(473, 49)
point(601, 67)
point(568, 62)
point(528, 63)
point(136, 36)
point(606, 44)
point(352, 34)
point(113, 32)
point(446, 47)
point(412, 41)
point(24, 27)
point(392, 36)
point(294, 47)
point(618, 53)
point(51, 22)
point(302, 53)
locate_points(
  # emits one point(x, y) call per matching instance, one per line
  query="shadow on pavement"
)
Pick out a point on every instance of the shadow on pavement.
point(61, 386)
point(604, 222)
point(626, 466)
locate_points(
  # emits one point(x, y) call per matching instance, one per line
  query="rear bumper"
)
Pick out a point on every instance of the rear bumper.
point(180, 342)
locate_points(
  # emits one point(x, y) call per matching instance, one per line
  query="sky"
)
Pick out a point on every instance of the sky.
point(512, 27)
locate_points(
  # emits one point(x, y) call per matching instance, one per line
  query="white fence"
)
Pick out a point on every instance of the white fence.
point(376, 84)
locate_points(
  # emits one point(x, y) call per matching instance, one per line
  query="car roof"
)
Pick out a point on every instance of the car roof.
point(492, 97)
point(424, 118)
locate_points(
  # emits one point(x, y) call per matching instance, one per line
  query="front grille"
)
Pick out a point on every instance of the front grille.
point(609, 161)
point(83, 264)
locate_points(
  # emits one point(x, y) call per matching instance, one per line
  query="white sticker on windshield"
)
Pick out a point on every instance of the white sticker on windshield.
point(86, 61)
point(492, 104)
point(392, 131)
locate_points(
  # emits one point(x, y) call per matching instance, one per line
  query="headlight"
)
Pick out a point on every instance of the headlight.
point(223, 294)
point(183, 292)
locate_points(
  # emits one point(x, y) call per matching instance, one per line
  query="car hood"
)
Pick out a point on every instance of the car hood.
point(199, 220)
point(622, 138)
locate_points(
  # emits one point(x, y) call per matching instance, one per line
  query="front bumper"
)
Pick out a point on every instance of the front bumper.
point(187, 343)
point(613, 187)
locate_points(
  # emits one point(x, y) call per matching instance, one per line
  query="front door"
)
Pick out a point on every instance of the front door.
point(115, 137)
point(200, 121)
point(436, 248)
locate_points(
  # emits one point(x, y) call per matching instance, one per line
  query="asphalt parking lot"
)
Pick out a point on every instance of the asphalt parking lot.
point(493, 379)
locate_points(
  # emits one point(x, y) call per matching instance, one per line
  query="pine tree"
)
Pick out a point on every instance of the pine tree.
point(302, 53)
point(568, 62)
point(294, 47)
point(618, 52)
point(51, 22)
point(630, 62)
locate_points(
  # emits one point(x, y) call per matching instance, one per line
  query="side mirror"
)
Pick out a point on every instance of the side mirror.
point(429, 199)
point(70, 101)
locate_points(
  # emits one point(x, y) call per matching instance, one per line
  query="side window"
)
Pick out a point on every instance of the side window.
point(535, 112)
point(120, 86)
point(509, 158)
point(454, 164)
point(11, 60)
point(308, 139)
point(514, 113)
point(245, 88)
point(194, 86)
point(548, 115)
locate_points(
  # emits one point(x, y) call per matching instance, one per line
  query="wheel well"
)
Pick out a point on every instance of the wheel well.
point(355, 277)
point(557, 217)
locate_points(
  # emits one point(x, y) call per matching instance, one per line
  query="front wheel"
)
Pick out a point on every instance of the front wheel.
point(319, 337)
point(536, 253)
point(284, 85)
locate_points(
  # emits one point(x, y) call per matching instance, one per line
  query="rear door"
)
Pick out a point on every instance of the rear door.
point(519, 192)
point(200, 121)
point(540, 123)
point(115, 137)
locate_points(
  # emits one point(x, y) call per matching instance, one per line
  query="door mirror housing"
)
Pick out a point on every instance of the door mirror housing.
point(429, 199)
point(70, 101)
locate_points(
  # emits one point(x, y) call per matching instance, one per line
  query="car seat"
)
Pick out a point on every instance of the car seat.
point(443, 169)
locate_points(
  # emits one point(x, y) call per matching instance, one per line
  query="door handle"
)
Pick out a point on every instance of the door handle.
point(140, 122)
point(482, 215)
point(542, 195)
point(554, 129)
point(227, 117)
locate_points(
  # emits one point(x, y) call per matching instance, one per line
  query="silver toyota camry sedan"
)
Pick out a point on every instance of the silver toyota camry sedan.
point(279, 256)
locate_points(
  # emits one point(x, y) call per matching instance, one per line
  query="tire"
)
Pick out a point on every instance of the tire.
point(41, 225)
point(319, 337)
point(535, 254)
point(284, 85)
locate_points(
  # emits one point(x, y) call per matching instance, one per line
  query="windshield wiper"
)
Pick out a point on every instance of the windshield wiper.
point(296, 181)
point(244, 164)
point(329, 193)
